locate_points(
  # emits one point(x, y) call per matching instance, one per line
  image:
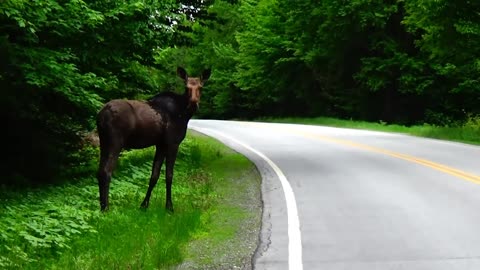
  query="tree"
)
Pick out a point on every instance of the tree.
point(449, 40)
point(60, 61)
point(211, 43)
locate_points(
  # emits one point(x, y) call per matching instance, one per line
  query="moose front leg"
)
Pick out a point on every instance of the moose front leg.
point(171, 157)
point(157, 165)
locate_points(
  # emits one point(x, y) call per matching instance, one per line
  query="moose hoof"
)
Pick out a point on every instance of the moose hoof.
point(144, 205)
point(169, 209)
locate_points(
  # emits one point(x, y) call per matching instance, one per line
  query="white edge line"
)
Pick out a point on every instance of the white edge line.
point(294, 234)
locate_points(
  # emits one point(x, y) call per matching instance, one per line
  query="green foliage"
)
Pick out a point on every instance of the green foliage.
point(259, 48)
point(453, 64)
point(39, 226)
point(407, 62)
point(44, 221)
point(60, 62)
point(473, 122)
point(376, 60)
point(391, 61)
point(211, 44)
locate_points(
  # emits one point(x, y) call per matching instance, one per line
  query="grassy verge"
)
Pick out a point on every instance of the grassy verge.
point(215, 193)
point(234, 223)
point(468, 133)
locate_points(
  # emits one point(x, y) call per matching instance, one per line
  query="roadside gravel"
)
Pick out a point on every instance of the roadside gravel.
point(239, 216)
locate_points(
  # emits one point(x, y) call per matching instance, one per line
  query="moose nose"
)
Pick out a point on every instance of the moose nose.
point(195, 96)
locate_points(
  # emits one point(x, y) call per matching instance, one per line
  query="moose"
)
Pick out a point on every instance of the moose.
point(160, 121)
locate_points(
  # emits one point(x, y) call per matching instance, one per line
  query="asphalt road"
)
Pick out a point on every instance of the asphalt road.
point(361, 199)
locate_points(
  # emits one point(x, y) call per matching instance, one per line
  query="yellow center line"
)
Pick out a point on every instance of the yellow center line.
point(427, 163)
point(439, 167)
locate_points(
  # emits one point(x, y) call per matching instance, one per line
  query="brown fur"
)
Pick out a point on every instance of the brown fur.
point(161, 121)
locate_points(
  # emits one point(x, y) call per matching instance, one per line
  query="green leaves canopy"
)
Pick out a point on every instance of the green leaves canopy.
point(61, 60)
point(406, 62)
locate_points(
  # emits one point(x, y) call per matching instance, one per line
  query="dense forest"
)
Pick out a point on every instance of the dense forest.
point(396, 61)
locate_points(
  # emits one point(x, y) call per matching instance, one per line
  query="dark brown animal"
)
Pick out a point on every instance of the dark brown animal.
point(132, 124)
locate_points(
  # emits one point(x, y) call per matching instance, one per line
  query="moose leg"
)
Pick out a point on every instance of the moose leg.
point(171, 157)
point(157, 165)
point(108, 158)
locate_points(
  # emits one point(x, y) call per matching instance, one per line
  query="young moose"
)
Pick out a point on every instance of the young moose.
point(131, 124)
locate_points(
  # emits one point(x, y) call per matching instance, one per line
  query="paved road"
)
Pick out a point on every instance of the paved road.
point(366, 200)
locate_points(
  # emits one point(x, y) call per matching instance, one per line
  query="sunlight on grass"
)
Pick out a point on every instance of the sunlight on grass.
point(62, 228)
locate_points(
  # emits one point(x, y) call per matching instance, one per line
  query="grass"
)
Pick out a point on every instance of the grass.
point(466, 133)
point(61, 227)
point(235, 221)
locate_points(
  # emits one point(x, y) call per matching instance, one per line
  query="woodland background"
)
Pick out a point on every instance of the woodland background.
point(406, 62)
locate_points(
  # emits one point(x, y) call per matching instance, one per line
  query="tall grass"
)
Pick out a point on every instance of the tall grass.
point(61, 227)
point(468, 132)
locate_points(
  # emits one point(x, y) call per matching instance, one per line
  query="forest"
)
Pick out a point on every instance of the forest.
point(405, 62)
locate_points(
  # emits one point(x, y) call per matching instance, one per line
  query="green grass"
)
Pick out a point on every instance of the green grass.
point(234, 222)
point(467, 133)
point(61, 227)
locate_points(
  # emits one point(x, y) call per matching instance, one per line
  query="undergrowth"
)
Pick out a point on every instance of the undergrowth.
point(54, 227)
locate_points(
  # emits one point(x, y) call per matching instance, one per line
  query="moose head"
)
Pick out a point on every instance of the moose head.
point(193, 85)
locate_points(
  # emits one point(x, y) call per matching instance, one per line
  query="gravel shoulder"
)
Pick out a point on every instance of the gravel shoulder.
point(235, 223)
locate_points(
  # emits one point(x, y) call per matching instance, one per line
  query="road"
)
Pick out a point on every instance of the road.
point(362, 200)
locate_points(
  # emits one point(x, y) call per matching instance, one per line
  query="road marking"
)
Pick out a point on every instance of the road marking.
point(436, 166)
point(427, 163)
point(294, 234)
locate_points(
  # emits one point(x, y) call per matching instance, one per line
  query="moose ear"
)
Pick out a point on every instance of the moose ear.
point(205, 75)
point(182, 73)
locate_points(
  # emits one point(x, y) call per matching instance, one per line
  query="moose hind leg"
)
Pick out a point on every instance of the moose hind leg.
point(171, 157)
point(157, 165)
point(104, 175)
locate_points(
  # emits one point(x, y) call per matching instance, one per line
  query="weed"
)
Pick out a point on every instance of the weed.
point(61, 227)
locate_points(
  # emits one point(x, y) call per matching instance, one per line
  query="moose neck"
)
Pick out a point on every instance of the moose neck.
point(177, 105)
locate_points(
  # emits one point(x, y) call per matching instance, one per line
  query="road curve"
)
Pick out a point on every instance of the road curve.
point(365, 200)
